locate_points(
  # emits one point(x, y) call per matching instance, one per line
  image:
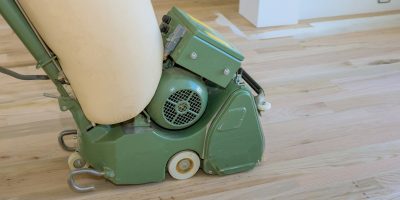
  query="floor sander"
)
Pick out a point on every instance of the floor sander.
point(146, 98)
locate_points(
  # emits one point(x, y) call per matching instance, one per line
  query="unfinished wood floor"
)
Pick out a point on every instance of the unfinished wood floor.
point(332, 133)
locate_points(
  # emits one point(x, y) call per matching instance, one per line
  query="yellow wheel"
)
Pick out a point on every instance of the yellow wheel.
point(183, 165)
point(75, 161)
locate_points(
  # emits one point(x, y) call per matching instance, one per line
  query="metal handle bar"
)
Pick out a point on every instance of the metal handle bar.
point(78, 188)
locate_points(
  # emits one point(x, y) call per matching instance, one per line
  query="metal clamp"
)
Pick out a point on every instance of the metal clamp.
point(173, 40)
point(148, 120)
point(42, 64)
point(78, 188)
point(62, 142)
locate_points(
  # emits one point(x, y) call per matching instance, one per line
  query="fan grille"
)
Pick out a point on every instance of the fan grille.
point(182, 107)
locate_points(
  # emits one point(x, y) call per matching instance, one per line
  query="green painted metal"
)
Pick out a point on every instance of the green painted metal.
point(236, 140)
point(202, 50)
point(133, 154)
point(178, 88)
point(211, 62)
point(203, 31)
point(227, 137)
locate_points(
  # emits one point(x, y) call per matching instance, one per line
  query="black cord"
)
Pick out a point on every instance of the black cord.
point(22, 76)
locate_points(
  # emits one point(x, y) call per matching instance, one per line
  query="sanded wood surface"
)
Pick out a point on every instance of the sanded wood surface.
point(333, 131)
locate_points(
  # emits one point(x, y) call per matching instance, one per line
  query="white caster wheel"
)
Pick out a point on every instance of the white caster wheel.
point(183, 165)
point(75, 161)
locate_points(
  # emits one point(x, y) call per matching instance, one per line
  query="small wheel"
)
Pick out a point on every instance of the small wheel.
point(183, 165)
point(75, 161)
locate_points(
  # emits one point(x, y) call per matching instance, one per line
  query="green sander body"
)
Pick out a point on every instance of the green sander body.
point(203, 114)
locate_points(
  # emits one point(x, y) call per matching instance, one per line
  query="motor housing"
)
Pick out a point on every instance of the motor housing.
point(180, 100)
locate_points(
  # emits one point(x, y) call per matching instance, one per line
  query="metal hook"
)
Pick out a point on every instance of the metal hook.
point(78, 188)
point(62, 142)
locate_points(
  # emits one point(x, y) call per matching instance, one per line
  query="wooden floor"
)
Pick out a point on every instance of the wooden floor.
point(333, 131)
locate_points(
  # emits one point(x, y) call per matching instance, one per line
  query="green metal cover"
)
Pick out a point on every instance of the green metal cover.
point(206, 33)
point(178, 87)
point(211, 62)
point(202, 50)
point(228, 137)
point(235, 140)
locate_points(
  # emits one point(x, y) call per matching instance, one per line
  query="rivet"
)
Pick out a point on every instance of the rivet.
point(227, 71)
point(193, 55)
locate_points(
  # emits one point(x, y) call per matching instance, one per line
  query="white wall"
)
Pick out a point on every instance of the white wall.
point(309, 9)
point(250, 10)
point(264, 13)
point(274, 8)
